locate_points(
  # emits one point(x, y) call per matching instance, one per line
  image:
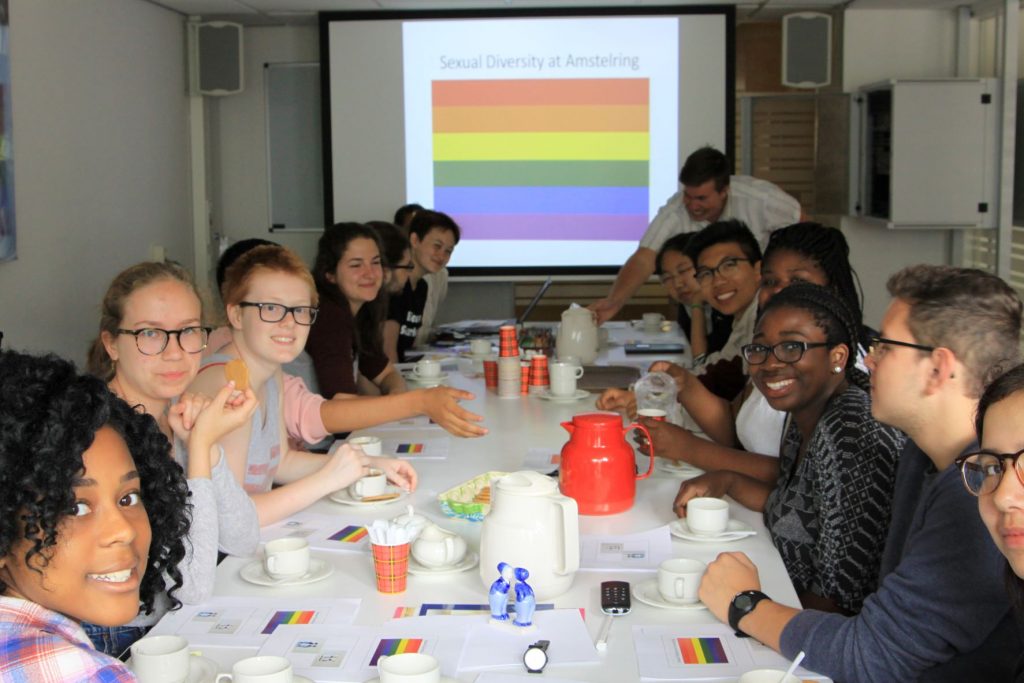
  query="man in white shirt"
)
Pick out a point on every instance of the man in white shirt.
point(709, 194)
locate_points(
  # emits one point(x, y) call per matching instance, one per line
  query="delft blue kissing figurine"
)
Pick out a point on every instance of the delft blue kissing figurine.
point(526, 601)
point(498, 596)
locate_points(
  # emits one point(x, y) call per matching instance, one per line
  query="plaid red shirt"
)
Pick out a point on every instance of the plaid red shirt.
point(40, 646)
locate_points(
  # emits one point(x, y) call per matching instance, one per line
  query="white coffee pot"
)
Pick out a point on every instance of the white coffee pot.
point(436, 547)
point(577, 335)
point(531, 525)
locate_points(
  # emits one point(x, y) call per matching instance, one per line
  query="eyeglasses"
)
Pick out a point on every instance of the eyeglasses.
point(787, 351)
point(275, 313)
point(669, 277)
point(876, 345)
point(726, 268)
point(982, 471)
point(151, 341)
point(405, 266)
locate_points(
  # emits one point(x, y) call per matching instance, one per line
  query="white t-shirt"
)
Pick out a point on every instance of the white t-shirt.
point(762, 205)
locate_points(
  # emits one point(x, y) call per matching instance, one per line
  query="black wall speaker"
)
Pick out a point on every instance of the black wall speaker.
point(806, 50)
point(219, 46)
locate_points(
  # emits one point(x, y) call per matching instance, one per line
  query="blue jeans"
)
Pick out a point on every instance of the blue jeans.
point(113, 640)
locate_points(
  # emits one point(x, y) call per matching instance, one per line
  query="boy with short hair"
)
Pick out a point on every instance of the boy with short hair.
point(432, 238)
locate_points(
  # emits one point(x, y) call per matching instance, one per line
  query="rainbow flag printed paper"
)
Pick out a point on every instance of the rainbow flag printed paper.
point(543, 159)
point(395, 646)
point(350, 534)
point(409, 448)
point(701, 651)
point(296, 617)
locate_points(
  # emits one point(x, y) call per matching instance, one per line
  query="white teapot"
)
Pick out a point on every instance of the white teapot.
point(412, 521)
point(435, 547)
point(577, 335)
point(531, 525)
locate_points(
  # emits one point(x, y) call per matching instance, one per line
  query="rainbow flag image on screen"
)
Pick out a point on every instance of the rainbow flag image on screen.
point(543, 159)
point(701, 651)
point(296, 617)
point(395, 646)
point(409, 448)
point(350, 534)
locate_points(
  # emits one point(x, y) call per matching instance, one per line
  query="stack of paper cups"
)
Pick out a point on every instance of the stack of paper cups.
point(509, 372)
point(507, 341)
point(539, 380)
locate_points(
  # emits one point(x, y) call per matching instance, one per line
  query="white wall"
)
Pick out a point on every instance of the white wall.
point(238, 140)
point(101, 160)
point(879, 45)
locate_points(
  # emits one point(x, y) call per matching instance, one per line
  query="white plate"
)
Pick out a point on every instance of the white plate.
point(200, 669)
point(734, 532)
point(318, 571)
point(468, 562)
point(548, 396)
point(444, 679)
point(677, 468)
point(647, 592)
point(420, 379)
point(345, 498)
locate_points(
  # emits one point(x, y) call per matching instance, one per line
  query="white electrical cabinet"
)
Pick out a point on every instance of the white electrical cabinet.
point(928, 153)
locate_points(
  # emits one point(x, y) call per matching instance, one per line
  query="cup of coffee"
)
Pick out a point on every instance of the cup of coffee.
point(679, 579)
point(286, 558)
point(160, 659)
point(768, 676)
point(480, 347)
point(707, 516)
point(262, 669)
point(563, 378)
point(409, 667)
point(369, 444)
point(373, 484)
point(427, 368)
point(652, 321)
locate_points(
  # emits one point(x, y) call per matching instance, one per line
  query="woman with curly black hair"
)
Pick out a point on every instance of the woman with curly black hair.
point(81, 476)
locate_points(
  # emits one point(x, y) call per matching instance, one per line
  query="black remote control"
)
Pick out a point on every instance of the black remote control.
point(615, 597)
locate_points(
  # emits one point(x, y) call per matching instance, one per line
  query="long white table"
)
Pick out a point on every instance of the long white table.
point(516, 425)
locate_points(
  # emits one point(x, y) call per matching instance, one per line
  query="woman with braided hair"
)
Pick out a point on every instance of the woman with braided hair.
point(828, 511)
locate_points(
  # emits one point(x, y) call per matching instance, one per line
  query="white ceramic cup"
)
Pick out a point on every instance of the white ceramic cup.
point(427, 368)
point(286, 558)
point(369, 444)
point(653, 413)
point(652, 321)
point(262, 669)
point(563, 378)
point(409, 667)
point(373, 484)
point(768, 676)
point(679, 579)
point(160, 659)
point(480, 347)
point(707, 516)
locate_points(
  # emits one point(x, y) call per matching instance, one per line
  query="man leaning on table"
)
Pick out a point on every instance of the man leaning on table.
point(709, 194)
point(941, 611)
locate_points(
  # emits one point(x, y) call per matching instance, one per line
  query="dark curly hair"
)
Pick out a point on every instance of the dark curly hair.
point(831, 314)
point(49, 416)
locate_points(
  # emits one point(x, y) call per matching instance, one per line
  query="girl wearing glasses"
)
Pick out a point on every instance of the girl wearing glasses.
point(828, 511)
point(987, 474)
point(271, 303)
point(397, 255)
point(345, 342)
point(148, 351)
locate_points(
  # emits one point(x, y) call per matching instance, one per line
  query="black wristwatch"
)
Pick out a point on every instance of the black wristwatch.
point(536, 657)
point(742, 605)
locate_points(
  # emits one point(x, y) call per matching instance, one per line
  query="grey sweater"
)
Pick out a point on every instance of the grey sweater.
point(941, 612)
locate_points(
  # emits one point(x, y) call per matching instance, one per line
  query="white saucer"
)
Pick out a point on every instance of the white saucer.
point(200, 669)
point(345, 498)
point(476, 356)
point(419, 379)
point(548, 396)
point(676, 468)
point(444, 679)
point(318, 570)
point(468, 562)
point(647, 592)
point(734, 532)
